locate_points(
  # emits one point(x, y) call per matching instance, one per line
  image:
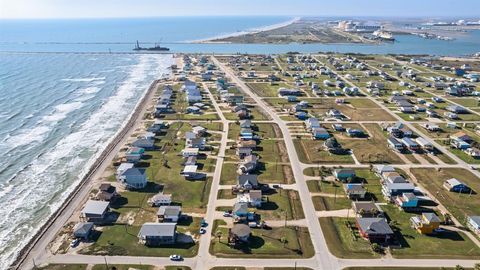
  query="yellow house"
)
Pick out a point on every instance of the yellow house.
point(427, 223)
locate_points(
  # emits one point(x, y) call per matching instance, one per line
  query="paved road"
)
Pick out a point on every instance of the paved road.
point(204, 256)
point(322, 254)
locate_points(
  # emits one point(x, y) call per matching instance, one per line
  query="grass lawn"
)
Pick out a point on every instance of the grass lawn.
point(277, 205)
point(266, 89)
point(371, 150)
point(458, 204)
point(311, 151)
point(416, 245)
point(281, 203)
point(463, 156)
point(272, 151)
point(225, 194)
point(119, 240)
point(324, 186)
point(342, 242)
point(263, 130)
point(268, 173)
point(329, 204)
point(267, 244)
point(192, 195)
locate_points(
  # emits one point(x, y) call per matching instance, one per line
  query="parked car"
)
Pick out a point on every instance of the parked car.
point(74, 242)
point(175, 257)
point(227, 214)
point(202, 231)
point(203, 223)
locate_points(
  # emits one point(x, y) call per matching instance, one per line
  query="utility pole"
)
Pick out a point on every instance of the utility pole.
point(106, 264)
point(335, 197)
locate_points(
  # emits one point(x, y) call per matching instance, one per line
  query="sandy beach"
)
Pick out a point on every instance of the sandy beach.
point(245, 32)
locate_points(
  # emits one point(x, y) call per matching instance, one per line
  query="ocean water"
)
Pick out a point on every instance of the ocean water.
point(57, 114)
point(119, 35)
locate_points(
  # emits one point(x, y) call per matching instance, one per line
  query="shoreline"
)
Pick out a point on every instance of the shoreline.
point(80, 192)
point(211, 40)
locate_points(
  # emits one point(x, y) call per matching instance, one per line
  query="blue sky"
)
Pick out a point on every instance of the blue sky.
point(152, 8)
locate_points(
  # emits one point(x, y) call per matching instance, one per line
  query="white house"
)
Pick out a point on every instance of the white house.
point(188, 152)
point(160, 199)
point(133, 178)
point(169, 213)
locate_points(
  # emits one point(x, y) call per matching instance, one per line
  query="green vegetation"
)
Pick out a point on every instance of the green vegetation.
point(280, 204)
point(420, 246)
point(165, 166)
point(311, 151)
point(266, 89)
point(329, 204)
point(122, 240)
point(267, 244)
point(343, 241)
point(459, 205)
point(373, 149)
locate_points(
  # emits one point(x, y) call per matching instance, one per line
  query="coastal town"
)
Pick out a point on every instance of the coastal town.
point(290, 161)
point(361, 31)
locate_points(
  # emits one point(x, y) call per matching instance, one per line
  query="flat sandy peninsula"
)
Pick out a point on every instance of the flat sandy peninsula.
point(298, 30)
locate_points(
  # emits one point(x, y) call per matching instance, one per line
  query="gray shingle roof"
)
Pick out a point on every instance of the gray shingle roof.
point(157, 229)
point(374, 225)
point(95, 207)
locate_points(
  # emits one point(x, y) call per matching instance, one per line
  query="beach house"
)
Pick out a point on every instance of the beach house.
point(454, 185)
point(473, 223)
point(155, 234)
point(169, 213)
point(374, 229)
point(133, 178)
point(82, 230)
point(94, 211)
point(427, 223)
point(344, 175)
point(355, 191)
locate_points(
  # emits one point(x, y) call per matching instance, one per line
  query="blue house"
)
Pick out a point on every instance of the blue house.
point(291, 98)
point(320, 134)
point(407, 200)
point(355, 132)
point(246, 133)
point(301, 115)
point(312, 123)
point(240, 210)
point(456, 186)
point(391, 190)
point(344, 174)
point(460, 144)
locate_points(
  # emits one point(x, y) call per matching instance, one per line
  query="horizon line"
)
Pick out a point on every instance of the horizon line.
point(243, 15)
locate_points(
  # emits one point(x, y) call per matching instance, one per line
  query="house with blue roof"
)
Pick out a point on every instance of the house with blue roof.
point(455, 185)
point(320, 133)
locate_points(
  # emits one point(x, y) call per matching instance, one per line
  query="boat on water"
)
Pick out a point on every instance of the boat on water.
point(157, 47)
point(383, 35)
